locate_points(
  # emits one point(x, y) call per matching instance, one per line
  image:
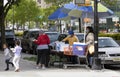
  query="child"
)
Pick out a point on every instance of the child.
point(17, 55)
point(7, 56)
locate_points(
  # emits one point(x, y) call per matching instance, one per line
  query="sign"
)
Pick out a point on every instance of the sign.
point(82, 2)
point(79, 1)
point(102, 21)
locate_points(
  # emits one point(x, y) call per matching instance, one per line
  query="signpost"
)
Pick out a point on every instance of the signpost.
point(96, 61)
point(82, 2)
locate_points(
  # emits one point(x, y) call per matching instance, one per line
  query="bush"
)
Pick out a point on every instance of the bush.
point(115, 36)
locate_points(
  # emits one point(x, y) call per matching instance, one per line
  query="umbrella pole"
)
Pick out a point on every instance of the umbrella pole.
point(60, 27)
point(79, 25)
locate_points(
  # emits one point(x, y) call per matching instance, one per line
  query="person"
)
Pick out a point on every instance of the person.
point(7, 56)
point(17, 55)
point(42, 50)
point(89, 40)
point(71, 38)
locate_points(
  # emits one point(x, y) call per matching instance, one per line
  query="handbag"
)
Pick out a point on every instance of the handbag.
point(91, 49)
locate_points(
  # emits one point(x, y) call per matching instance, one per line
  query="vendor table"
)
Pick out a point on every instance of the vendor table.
point(65, 64)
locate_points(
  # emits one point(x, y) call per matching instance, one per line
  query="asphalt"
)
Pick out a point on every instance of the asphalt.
point(28, 69)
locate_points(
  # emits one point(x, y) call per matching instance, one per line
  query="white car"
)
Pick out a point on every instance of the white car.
point(109, 50)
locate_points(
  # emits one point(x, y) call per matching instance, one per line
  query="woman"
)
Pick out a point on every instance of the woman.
point(42, 49)
point(89, 39)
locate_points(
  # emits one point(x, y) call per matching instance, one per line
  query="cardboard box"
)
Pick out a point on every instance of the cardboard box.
point(60, 46)
point(68, 50)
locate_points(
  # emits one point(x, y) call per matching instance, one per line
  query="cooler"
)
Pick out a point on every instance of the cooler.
point(79, 49)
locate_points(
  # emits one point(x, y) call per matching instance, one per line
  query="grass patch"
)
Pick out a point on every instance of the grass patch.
point(33, 58)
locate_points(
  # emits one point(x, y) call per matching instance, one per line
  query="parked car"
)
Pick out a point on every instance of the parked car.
point(28, 45)
point(26, 42)
point(10, 38)
point(108, 51)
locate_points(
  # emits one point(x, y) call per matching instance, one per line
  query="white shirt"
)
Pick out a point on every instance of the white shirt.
point(17, 50)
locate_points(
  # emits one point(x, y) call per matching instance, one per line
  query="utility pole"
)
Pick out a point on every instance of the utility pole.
point(96, 61)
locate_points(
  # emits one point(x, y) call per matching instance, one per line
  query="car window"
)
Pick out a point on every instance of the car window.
point(8, 32)
point(24, 34)
point(61, 37)
point(34, 34)
point(80, 37)
point(107, 43)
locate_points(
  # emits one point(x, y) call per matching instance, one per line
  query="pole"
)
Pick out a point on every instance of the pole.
point(79, 25)
point(96, 61)
point(60, 26)
point(13, 19)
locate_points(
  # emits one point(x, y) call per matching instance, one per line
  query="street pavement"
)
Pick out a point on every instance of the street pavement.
point(28, 69)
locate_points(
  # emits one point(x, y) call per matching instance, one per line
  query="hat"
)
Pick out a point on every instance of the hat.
point(41, 32)
point(71, 32)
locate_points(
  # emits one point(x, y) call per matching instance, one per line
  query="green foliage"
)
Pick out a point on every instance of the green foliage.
point(33, 58)
point(110, 2)
point(57, 2)
point(27, 10)
point(116, 36)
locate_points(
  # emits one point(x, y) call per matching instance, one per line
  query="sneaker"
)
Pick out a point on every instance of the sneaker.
point(6, 69)
point(18, 70)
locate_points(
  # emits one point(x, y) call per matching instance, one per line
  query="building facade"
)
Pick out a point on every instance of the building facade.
point(43, 4)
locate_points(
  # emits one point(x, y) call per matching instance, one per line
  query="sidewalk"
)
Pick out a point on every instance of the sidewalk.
point(28, 70)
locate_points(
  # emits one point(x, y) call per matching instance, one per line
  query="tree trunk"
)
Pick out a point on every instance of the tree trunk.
point(2, 25)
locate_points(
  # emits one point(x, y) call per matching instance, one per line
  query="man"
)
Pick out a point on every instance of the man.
point(71, 38)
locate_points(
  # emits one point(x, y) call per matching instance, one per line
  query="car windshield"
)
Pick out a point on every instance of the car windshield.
point(80, 37)
point(8, 32)
point(107, 43)
point(53, 36)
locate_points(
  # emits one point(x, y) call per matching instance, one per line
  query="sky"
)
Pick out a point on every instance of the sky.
point(5, 2)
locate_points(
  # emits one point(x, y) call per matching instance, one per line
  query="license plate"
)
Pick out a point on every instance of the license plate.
point(116, 59)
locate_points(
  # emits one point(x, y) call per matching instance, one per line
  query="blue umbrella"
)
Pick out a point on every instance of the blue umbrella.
point(58, 14)
point(81, 11)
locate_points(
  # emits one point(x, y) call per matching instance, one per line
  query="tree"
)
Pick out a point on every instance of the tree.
point(27, 11)
point(3, 12)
